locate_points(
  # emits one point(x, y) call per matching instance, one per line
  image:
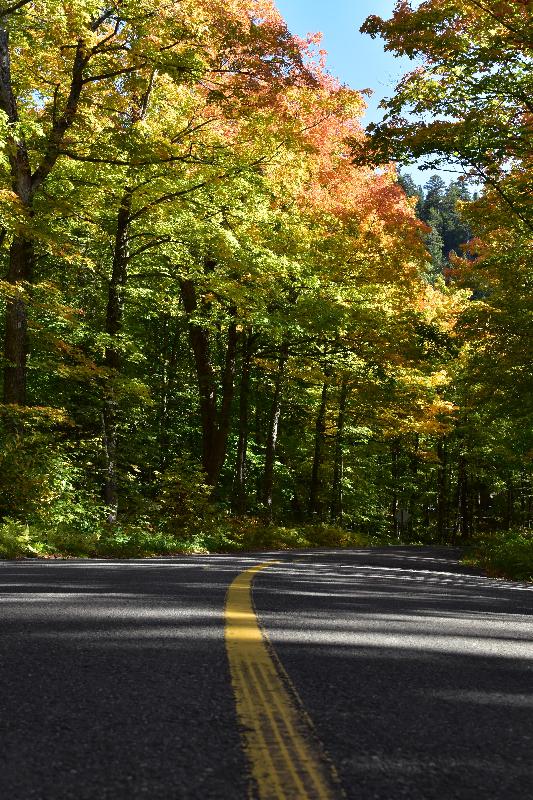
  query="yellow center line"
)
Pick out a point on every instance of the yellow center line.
point(285, 757)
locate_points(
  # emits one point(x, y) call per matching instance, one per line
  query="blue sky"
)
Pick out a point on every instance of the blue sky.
point(354, 58)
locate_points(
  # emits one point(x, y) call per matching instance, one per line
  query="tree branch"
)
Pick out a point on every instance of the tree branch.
point(498, 19)
point(15, 7)
point(148, 246)
point(102, 18)
point(65, 120)
point(182, 192)
point(494, 185)
point(106, 75)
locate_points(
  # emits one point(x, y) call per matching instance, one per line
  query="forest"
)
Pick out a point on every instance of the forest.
point(230, 319)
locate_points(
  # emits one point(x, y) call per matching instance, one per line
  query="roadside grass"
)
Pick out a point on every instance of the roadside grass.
point(144, 539)
point(503, 554)
point(249, 534)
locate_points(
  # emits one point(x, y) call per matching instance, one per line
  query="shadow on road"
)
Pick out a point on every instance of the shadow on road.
point(417, 673)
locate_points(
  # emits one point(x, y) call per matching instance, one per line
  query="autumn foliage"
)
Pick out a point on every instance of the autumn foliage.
point(208, 303)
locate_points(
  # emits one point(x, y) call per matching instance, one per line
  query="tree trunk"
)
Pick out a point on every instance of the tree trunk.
point(442, 492)
point(21, 259)
point(114, 317)
point(462, 499)
point(21, 252)
point(272, 433)
point(259, 433)
point(117, 282)
point(113, 327)
point(25, 184)
point(338, 462)
point(524, 493)
point(169, 357)
point(239, 484)
point(395, 455)
point(509, 506)
point(314, 504)
point(109, 436)
point(198, 338)
point(224, 412)
point(215, 422)
point(414, 495)
point(163, 336)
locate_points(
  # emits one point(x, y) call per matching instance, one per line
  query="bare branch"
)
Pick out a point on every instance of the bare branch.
point(505, 197)
point(124, 162)
point(183, 192)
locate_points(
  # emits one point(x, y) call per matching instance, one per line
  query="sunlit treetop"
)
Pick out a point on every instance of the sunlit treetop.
point(468, 100)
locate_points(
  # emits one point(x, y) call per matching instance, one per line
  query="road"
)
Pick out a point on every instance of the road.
point(403, 674)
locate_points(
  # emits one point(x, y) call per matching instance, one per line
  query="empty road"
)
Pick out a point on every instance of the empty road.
point(386, 673)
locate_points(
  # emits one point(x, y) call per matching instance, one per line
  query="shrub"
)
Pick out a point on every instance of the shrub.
point(15, 540)
point(249, 533)
point(184, 502)
point(505, 554)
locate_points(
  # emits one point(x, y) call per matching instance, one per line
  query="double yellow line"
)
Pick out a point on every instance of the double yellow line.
point(284, 754)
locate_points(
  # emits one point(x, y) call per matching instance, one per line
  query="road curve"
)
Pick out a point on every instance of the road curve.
point(417, 675)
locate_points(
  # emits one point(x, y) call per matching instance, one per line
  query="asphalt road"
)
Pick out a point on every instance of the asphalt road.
point(417, 675)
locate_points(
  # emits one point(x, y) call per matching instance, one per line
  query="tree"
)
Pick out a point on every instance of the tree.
point(474, 84)
point(226, 311)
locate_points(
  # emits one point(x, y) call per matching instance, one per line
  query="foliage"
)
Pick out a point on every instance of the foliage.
point(438, 205)
point(142, 539)
point(15, 540)
point(184, 501)
point(468, 95)
point(506, 554)
point(251, 534)
point(220, 331)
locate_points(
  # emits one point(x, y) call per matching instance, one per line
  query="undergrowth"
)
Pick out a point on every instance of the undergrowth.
point(504, 554)
point(142, 539)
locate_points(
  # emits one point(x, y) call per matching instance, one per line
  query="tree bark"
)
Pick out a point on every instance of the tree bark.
point(118, 280)
point(509, 506)
point(215, 421)
point(462, 499)
point(442, 492)
point(169, 358)
point(314, 504)
point(114, 321)
point(272, 433)
point(21, 254)
point(395, 456)
point(414, 495)
point(199, 342)
point(224, 413)
point(239, 484)
point(113, 327)
point(338, 461)
point(25, 184)
point(21, 259)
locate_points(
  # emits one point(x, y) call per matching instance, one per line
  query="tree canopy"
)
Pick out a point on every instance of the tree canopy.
point(223, 306)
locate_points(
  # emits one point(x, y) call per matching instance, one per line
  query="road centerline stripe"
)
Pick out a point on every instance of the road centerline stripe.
point(285, 757)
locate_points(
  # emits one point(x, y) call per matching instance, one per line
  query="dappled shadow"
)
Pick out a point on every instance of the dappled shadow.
point(419, 680)
point(414, 670)
point(117, 678)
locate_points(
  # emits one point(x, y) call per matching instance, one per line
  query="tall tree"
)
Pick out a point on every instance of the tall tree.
point(474, 85)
